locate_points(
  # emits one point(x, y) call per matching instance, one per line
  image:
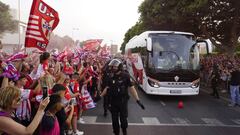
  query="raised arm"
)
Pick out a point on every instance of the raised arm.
point(9, 126)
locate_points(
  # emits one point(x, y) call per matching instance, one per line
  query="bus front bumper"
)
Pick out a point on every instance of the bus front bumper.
point(185, 91)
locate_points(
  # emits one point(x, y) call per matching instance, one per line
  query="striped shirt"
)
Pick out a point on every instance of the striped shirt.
point(23, 112)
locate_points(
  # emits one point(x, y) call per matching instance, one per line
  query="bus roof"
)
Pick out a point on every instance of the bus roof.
point(165, 32)
point(146, 34)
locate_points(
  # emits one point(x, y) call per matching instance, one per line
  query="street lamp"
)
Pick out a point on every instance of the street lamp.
point(19, 19)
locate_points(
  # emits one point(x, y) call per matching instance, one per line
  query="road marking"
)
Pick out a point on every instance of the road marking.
point(150, 121)
point(169, 125)
point(162, 103)
point(89, 119)
point(211, 121)
point(181, 121)
point(237, 121)
point(153, 121)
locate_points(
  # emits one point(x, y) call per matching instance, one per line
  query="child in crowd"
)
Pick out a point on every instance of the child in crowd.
point(49, 124)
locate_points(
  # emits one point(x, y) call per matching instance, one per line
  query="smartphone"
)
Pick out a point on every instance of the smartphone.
point(71, 102)
point(45, 92)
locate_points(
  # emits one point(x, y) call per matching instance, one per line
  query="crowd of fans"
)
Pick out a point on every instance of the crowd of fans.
point(71, 83)
point(46, 93)
point(222, 72)
point(225, 64)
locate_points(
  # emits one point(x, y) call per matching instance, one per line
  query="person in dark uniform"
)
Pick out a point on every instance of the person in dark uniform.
point(117, 88)
point(105, 77)
point(215, 78)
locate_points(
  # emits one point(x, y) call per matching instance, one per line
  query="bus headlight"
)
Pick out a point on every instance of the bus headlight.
point(153, 83)
point(195, 83)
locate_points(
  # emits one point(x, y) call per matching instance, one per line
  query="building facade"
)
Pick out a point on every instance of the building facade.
point(114, 49)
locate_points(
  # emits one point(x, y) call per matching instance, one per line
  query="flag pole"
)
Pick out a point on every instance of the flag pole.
point(19, 33)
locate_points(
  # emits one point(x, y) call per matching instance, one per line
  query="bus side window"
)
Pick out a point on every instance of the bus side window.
point(143, 53)
point(150, 60)
point(144, 60)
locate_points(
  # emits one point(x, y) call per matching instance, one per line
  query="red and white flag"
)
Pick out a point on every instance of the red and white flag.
point(104, 51)
point(86, 99)
point(42, 21)
point(61, 55)
point(16, 56)
point(92, 44)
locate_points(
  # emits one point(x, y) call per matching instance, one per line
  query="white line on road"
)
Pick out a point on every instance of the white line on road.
point(237, 121)
point(211, 121)
point(150, 121)
point(153, 121)
point(162, 103)
point(89, 119)
point(170, 125)
point(181, 121)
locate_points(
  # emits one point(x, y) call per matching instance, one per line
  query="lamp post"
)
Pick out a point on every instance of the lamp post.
point(19, 19)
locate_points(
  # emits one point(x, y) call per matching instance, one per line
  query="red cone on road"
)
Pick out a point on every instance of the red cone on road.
point(180, 104)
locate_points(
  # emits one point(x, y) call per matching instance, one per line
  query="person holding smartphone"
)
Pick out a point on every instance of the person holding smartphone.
point(10, 99)
point(63, 119)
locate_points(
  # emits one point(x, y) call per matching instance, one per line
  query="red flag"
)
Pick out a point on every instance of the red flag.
point(61, 55)
point(42, 21)
point(92, 44)
point(17, 56)
point(106, 51)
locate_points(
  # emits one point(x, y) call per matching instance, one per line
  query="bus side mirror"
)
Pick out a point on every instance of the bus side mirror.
point(205, 46)
point(149, 44)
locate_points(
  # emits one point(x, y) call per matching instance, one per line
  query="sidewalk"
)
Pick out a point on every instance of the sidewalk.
point(223, 94)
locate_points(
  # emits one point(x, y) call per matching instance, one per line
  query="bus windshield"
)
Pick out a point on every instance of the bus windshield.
point(173, 51)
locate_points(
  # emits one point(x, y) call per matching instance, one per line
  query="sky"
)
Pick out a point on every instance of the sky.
point(89, 19)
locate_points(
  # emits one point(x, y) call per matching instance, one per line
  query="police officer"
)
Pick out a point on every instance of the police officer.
point(105, 77)
point(118, 85)
point(215, 78)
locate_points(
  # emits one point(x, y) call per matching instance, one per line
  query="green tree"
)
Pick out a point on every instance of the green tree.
point(217, 20)
point(172, 15)
point(6, 21)
point(222, 23)
point(133, 31)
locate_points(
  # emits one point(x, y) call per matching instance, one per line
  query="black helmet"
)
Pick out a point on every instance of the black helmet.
point(116, 63)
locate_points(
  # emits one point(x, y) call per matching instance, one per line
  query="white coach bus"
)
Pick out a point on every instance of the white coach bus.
point(165, 62)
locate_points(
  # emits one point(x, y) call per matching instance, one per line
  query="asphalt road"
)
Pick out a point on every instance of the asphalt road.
point(200, 115)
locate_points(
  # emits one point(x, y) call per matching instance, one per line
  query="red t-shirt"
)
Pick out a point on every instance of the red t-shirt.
point(68, 69)
point(67, 94)
point(29, 82)
point(45, 65)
